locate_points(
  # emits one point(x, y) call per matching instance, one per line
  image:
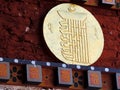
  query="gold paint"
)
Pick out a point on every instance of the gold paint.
point(96, 33)
point(76, 36)
point(50, 27)
point(72, 8)
point(74, 39)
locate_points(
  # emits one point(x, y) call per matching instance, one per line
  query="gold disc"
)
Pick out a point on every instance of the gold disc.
point(73, 35)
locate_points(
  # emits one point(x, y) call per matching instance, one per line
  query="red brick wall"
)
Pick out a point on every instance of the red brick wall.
point(18, 42)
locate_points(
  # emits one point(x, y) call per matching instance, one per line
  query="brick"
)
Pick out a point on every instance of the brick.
point(65, 76)
point(118, 80)
point(34, 73)
point(94, 79)
point(4, 71)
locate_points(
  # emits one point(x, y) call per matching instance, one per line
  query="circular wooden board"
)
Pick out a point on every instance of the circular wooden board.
point(73, 34)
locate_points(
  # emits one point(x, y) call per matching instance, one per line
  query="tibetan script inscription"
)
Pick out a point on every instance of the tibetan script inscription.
point(74, 40)
point(73, 34)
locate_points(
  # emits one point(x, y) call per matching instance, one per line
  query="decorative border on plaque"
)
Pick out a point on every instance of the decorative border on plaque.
point(34, 73)
point(65, 76)
point(4, 71)
point(54, 64)
point(94, 79)
point(108, 2)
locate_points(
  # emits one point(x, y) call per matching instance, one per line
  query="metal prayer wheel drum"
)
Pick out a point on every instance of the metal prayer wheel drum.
point(73, 34)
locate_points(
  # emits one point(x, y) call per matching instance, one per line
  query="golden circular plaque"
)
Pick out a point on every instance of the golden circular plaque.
point(73, 35)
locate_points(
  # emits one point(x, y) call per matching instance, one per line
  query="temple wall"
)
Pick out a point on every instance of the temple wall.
point(21, 35)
